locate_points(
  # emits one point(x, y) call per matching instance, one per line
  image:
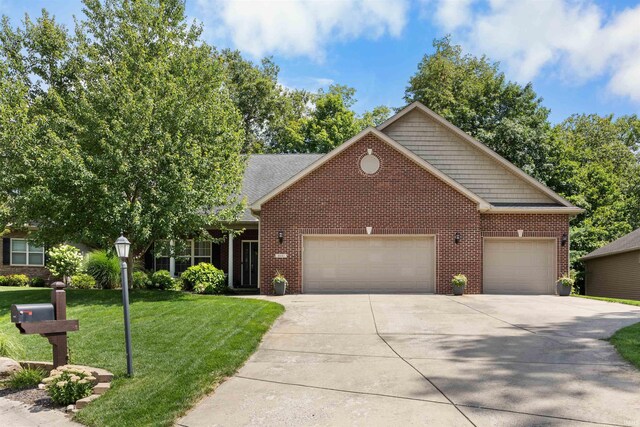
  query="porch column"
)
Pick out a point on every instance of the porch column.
point(172, 259)
point(230, 266)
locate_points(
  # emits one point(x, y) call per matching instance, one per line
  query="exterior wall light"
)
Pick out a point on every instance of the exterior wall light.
point(280, 236)
point(457, 237)
point(564, 239)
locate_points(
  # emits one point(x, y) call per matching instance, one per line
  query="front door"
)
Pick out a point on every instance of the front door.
point(249, 264)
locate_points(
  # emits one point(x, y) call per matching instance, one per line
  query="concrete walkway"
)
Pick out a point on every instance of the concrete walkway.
point(17, 414)
point(433, 360)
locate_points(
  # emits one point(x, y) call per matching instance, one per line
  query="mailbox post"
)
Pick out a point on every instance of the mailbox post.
point(48, 320)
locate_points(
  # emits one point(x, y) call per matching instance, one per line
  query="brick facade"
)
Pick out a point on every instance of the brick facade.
point(401, 198)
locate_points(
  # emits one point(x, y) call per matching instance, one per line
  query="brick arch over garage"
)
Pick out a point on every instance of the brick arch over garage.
point(401, 198)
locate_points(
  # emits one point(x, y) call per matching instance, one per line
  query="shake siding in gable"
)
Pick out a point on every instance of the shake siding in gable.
point(461, 161)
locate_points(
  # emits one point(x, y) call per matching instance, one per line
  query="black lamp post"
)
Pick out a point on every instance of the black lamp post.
point(122, 249)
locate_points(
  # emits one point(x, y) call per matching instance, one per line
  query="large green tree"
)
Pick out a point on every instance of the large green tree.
point(285, 120)
point(135, 129)
point(597, 168)
point(323, 121)
point(474, 95)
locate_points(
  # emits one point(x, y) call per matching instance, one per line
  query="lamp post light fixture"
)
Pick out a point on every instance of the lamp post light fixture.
point(122, 248)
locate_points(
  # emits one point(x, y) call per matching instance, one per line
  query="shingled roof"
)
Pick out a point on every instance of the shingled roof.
point(627, 243)
point(265, 172)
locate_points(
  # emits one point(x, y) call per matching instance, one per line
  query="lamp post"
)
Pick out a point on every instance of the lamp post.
point(122, 249)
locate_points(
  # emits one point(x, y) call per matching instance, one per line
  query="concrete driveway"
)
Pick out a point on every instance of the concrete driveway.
point(433, 360)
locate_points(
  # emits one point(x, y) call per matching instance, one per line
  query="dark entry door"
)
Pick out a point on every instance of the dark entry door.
point(250, 264)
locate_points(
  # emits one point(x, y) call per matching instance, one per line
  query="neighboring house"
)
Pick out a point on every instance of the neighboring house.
point(398, 208)
point(614, 270)
point(20, 256)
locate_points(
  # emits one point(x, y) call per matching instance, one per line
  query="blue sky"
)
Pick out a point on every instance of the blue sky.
point(583, 56)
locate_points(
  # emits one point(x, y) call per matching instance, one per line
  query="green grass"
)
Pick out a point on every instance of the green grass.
point(183, 346)
point(625, 340)
point(621, 301)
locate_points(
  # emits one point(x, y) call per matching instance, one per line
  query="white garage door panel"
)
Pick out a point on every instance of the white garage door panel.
point(368, 264)
point(519, 266)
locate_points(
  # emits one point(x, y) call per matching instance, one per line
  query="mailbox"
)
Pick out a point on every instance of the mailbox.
point(22, 313)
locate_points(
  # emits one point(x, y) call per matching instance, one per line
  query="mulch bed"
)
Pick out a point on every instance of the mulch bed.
point(30, 396)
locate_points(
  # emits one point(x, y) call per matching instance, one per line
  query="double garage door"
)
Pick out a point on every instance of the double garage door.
point(368, 264)
point(396, 264)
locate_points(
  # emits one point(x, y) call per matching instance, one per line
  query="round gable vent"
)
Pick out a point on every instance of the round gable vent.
point(369, 163)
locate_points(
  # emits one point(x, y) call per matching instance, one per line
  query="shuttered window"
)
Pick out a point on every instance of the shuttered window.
point(24, 252)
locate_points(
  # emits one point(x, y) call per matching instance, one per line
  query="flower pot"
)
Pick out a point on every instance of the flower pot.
point(563, 291)
point(279, 288)
point(458, 290)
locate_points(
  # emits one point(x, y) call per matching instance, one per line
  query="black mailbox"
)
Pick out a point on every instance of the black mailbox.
point(21, 313)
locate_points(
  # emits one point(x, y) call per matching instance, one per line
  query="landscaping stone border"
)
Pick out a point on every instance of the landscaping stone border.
point(103, 376)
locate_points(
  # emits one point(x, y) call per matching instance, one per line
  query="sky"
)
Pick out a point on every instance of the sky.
point(582, 56)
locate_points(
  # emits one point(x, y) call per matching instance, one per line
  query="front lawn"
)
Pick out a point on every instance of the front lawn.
point(621, 301)
point(626, 340)
point(183, 346)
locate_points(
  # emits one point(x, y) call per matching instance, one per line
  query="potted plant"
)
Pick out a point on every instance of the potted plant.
point(564, 285)
point(458, 283)
point(279, 284)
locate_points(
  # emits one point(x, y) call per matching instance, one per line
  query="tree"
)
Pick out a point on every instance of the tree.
point(256, 93)
point(475, 96)
point(135, 130)
point(324, 121)
point(597, 168)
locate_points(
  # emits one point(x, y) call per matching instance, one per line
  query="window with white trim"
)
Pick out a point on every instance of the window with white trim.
point(24, 252)
point(192, 253)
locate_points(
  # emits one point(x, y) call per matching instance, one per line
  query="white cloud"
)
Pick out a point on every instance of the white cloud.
point(575, 38)
point(449, 14)
point(300, 27)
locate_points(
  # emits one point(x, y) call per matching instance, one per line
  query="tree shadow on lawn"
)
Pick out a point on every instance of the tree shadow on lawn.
point(564, 370)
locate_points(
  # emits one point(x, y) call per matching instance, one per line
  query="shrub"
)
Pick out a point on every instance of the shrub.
point(82, 281)
point(10, 348)
point(26, 378)
point(64, 261)
point(204, 278)
point(37, 282)
point(162, 279)
point(141, 280)
point(105, 268)
point(16, 280)
point(67, 384)
point(3, 281)
point(459, 280)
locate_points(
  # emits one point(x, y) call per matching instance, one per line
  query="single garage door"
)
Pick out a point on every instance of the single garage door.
point(368, 264)
point(519, 266)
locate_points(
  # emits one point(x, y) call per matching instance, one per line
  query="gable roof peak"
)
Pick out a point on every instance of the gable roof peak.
point(483, 205)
